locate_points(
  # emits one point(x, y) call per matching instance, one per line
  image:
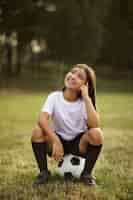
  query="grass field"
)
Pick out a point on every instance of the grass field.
point(113, 171)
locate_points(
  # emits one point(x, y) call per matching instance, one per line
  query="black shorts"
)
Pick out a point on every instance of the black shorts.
point(71, 146)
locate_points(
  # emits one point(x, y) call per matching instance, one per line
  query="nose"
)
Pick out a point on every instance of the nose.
point(73, 77)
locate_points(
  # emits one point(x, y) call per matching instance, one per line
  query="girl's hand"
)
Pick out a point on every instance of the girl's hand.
point(84, 91)
point(57, 150)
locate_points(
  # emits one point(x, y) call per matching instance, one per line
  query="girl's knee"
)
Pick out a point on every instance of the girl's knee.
point(37, 135)
point(96, 136)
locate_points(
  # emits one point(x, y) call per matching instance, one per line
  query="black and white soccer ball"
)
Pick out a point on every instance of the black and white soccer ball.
point(71, 165)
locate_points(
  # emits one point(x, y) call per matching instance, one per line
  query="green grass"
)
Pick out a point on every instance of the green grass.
point(113, 171)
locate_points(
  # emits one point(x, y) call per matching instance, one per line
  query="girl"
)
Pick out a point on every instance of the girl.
point(74, 127)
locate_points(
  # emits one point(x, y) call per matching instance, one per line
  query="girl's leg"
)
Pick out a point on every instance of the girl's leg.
point(38, 141)
point(91, 144)
point(39, 146)
point(93, 136)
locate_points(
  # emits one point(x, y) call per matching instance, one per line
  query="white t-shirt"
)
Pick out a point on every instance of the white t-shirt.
point(68, 118)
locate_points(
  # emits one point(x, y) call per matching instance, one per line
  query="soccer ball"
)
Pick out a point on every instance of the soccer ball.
point(71, 166)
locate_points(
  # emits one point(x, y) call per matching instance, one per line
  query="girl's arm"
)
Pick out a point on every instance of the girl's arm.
point(57, 147)
point(92, 114)
point(43, 123)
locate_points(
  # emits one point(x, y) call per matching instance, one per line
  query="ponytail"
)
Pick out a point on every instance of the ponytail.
point(91, 92)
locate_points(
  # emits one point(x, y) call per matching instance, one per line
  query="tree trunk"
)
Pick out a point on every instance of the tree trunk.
point(8, 49)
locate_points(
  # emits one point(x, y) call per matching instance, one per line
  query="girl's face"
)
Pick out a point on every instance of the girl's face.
point(75, 79)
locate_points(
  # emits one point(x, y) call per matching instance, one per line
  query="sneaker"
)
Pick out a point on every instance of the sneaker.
point(41, 178)
point(88, 180)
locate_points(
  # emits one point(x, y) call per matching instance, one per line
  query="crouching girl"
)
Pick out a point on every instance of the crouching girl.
point(74, 126)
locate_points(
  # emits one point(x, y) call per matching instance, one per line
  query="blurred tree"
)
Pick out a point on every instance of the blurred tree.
point(116, 45)
point(75, 31)
point(16, 16)
point(78, 29)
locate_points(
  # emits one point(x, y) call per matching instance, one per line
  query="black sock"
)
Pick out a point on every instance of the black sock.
point(91, 157)
point(39, 149)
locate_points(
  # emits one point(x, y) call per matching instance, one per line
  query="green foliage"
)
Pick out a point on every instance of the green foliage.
point(76, 31)
point(117, 43)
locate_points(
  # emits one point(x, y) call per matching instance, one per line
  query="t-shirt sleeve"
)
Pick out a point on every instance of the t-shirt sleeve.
point(48, 106)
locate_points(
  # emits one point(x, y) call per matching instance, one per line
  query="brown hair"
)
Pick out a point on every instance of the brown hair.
point(91, 79)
